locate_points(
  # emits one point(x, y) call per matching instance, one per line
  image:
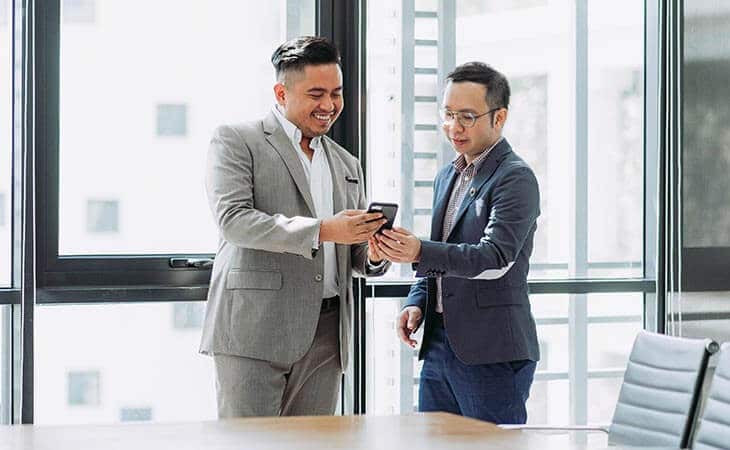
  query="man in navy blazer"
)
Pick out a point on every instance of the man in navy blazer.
point(480, 343)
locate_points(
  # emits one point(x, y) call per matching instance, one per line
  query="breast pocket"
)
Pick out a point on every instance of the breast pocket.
point(352, 195)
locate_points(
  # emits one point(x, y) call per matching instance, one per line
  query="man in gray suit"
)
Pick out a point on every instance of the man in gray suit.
point(279, 309)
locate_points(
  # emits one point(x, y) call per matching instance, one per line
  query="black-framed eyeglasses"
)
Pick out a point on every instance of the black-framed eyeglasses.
point(465, 119)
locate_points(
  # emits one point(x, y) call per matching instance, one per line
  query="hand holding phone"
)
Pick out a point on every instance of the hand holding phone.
point(389, 211)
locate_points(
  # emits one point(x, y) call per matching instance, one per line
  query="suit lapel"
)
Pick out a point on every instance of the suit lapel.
point(277, 138)
point(437, 222)
point(485, 172)
point(337, 169)
point(339, 203)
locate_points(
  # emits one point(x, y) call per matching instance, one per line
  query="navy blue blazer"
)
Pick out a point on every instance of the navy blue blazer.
point(484, 262)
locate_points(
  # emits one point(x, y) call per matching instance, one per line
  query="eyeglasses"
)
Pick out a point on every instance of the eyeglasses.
point(465, 119)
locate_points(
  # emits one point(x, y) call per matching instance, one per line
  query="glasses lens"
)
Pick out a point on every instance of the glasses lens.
point(467, 120)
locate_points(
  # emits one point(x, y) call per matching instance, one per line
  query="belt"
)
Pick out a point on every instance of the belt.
point(330, 303)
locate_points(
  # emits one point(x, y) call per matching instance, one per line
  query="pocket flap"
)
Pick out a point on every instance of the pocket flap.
point(253, 279)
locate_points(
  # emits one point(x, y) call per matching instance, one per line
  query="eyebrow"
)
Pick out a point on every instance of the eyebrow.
point(469, 110)
point(319, 90)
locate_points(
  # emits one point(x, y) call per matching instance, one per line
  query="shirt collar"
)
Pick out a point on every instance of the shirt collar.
point(460, 162)
point(292, 132)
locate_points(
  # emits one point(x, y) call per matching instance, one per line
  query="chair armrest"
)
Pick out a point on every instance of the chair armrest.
point(555, 427)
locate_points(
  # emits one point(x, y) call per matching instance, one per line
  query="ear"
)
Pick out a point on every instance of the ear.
point(280, 93)
point(500, 117)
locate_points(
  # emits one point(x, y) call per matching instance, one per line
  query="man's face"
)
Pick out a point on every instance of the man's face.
point(470, 97)
point(312, 99)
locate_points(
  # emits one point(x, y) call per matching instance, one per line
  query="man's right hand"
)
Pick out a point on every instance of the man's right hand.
point(351, 226)
point(407, 323)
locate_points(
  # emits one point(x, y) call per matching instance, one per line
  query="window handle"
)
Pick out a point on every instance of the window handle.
point(187, 263)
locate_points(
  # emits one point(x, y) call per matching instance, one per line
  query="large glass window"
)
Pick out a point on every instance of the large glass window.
point(576, 69)
point(137, 110)
point(109, 363)
point(6, 140)
point(534, 44)
point(612, 321)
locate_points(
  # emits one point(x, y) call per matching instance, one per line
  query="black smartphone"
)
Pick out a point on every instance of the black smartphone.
point(389, 211)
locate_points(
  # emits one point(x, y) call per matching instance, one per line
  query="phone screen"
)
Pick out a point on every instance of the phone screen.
point(389, 211)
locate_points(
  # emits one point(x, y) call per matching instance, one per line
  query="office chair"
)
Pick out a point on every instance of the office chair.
point(714, 428)
point(658, 401)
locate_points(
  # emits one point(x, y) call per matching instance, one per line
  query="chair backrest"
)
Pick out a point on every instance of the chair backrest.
point(714, 428)
point(658, 399)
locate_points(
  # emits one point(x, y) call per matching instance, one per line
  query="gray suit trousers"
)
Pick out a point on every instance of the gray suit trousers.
point(247, 387)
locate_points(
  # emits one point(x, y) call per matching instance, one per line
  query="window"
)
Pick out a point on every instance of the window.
point(102, 216)
point(135, 415)
point(78, 11)
point(4, 12)
point(138, 109)
point(83, 388)
point(3, 209)
point(140, 361)
point(172, 120)
point(611, 323)
point(577, 117)
point(6, 139)
point(705, 191)
point(188, 315)
point(590, 168)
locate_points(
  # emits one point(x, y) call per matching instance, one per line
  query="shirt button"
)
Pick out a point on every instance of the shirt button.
point(318, 277)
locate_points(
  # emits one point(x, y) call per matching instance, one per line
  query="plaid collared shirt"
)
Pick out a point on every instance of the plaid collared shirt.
point(466, 174)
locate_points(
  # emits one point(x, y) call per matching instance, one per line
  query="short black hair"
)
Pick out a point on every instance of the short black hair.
point(295, 54)
point(477, 72)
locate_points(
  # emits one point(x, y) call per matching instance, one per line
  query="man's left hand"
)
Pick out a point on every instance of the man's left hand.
point(399, 245)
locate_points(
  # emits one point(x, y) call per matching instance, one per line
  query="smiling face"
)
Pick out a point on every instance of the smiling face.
point(312, 98)
point(467, 96)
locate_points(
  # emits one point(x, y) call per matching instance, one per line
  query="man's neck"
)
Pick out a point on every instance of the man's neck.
point(306, 148)
point(469, 158)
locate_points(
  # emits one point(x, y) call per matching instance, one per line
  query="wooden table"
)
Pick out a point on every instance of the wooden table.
point(414, 432)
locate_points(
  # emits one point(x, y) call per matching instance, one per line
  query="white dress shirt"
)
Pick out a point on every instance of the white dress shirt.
point(319, 177)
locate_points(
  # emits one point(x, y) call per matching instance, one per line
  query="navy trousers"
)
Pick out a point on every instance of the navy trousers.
point(495, 392)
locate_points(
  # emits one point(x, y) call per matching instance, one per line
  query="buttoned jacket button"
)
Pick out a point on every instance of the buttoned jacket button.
point(318, 277)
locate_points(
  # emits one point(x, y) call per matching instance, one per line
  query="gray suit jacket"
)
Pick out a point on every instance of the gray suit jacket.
point(266, 288)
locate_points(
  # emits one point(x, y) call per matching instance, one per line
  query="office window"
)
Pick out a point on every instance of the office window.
point(4, 12)
point(590, 168)
point(205, 64)
point(83, 388)
point(6, 124)
point(144, 361)
point(102, 216)
point(135, 414)
point(3, 210)
point(172, 120)
point(474, 7)
point(78, 11)
point(612, 321)
point(188, 315)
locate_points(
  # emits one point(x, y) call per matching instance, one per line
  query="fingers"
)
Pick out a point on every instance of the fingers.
point(403, 332)
point(353, 212)
point(414, 320)
point(401, 231)
point(374, 252)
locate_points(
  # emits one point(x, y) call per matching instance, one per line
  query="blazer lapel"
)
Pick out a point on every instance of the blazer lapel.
point(437, 221)
point(281, 143)
point(339, 202)
point(485, 172)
